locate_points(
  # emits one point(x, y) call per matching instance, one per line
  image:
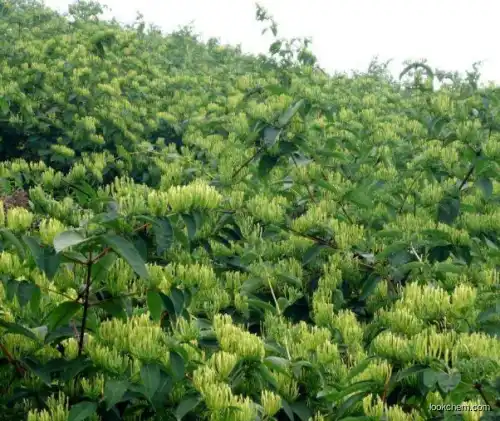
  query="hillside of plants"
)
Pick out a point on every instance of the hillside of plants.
point(188, 232)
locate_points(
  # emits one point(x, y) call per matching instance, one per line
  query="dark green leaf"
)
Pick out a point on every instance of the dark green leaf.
point(486, 186)
point(287, 409)
point(68, 239)
point(301, 410)
point(186, 406)
point(448, 209)
point(62, 314)
point(18, 329)
point(150, 376)
point(155, 305)
point(82, 411)
point(270, 136)
point(177, 365)
point(128, 252)
point(190, 225)
point(448, 382)
point(26, 291)
point(114, 391)
point(285, 118)
point(101, 267)
point(9, 236)
point(312, 252)
point(266, 164)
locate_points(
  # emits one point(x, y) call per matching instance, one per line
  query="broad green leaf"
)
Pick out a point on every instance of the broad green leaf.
point(266, 164)
point(102, 266)
point(301, 410)
point(82, 411)
point(155, 304)
point(190, 223)
point(290, 280)
point(68, 239)
point(429, 378)
point(448, 210)
point(128, 252)
point(312, 252)
point(448, 382)
point(11, 237)
point(18, 329)
point(186, 406)
point(150, 376)
point(486, 186)
point(285, 118)
point(27, 291)
point(287, 409)
point(270, 136)
point(177, 365)
point(62, 314)
point(114, 391)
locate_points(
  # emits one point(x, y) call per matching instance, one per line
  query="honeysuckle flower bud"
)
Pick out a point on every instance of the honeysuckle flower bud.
point(2, 214)
point(427, 302)
point(287, 386)
point(400, 321)
point(19, 219)
point(197, 195)
point(373, 406)
point(223, 362)
point(49, 229)
point(271, 403)
point(57, 410)
point(268, 210)
point(392, 347)
point(93, 387)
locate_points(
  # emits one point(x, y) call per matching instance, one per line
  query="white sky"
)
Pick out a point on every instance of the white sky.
point(346, 35)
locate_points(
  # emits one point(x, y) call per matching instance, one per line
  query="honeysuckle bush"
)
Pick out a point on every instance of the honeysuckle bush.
point(188, 233)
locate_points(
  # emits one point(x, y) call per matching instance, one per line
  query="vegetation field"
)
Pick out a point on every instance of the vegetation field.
point(191, 233)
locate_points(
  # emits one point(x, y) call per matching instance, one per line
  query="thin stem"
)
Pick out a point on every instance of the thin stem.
point(85, 305)
point(285, 340)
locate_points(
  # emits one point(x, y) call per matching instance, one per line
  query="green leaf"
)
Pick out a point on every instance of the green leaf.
point(101, 267)
point(448, 209)
point(82, 411)
point(312, 252)
point(114, 391)
point(155, 305)
point(369, 286)
point(359, 197)
point(190, 223)
point(177, 365)
point(301, 410)
point(128, 252)
point(270, 136)
point(27, 291)
point(150, 376)
point(18, 329)
point(448, 382)
point(277, 363)
point(275, 47)
point(285, 118)
point(164, 234)
point(62, 314)
point(486, 186)
point(178, 298)
point(9, 236)
point(68, 239)
point(349, 403)
point(429, 378)
point(287, 409)
point(266, 164)
point(186, 406)
point(290, 280)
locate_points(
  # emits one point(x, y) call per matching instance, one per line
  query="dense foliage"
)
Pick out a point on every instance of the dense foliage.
point(190, 233)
